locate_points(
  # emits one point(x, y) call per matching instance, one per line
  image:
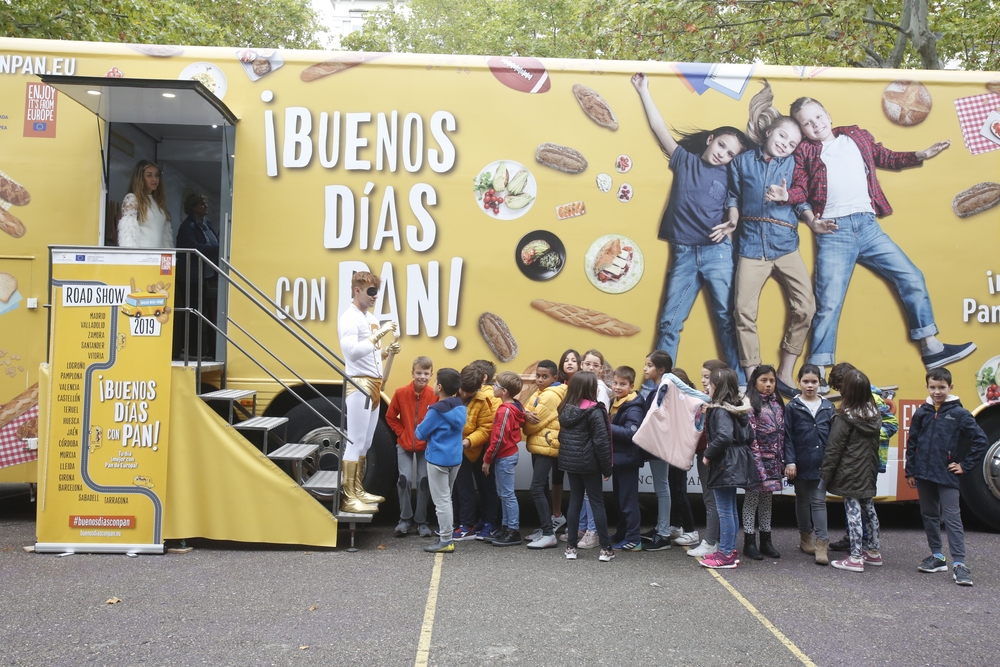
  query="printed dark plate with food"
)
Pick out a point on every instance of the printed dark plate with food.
point(540, 255)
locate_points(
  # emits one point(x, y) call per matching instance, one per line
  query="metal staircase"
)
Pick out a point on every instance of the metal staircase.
point(269, 434)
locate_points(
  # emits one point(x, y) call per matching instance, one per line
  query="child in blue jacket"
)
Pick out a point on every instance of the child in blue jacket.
point(442, 429)
point(944, 442)
point(627, 412)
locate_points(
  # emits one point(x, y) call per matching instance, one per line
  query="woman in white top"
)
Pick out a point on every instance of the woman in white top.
point(145, 222)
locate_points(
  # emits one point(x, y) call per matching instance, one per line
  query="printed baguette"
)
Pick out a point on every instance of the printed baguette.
point(561, 158)
point(498, 336)
point(332, 66)
point(12, 191)
point(993, 86)
point(976, 199)
point(595, 107)
point(9, 223)
point(578, 316)
point(18, 405)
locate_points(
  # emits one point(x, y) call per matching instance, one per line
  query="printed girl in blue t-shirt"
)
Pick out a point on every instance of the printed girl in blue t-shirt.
point(768, 237)
point(701, 251)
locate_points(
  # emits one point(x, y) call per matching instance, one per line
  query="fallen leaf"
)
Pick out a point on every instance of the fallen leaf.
point(381, 547)
point(313, 608)
point(655, 585)
point(113, 601)
point(303, 648)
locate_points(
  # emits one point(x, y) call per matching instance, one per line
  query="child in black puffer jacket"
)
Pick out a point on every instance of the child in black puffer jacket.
point(627, 412)
point(585, 455)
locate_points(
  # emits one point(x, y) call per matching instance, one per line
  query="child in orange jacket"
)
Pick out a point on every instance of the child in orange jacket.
point(479, 404)
point(407, 409)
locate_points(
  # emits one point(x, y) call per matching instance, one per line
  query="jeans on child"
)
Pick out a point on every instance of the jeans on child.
point(711, 511)
point(440, 479)
point(660, 471)
point(938, 502)
point(725, 501)
point(691, 268)
point(503, 470)
point(587, 515)
point(861, 240)
point(810, 507)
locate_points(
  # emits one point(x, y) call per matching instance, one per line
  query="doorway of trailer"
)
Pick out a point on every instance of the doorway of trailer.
point(189, 134)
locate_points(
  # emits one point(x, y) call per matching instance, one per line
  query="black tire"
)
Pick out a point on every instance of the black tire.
point(305, 426)
point(981, 487)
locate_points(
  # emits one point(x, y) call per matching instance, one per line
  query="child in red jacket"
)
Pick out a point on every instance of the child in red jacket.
point(407, 409)
point(502, 453)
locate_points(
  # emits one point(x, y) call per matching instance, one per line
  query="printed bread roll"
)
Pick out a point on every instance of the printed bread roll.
point(28, 429)
point(562, 158)
point(528, 385)
point(327, 67)
point(578, 316)
point(498, 336)
point(595, 107)
point(906, 103)
point(8, 285)
point(157, 50)
point(12, 191)
point(976, 199)
point(18, 405)
point(10, 224)
point(993, 86)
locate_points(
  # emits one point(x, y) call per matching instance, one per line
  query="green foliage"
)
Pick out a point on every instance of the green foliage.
point(859, 33)
point(262, 23)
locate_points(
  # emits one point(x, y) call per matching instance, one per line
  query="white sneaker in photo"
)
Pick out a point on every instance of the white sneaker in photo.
point(558, 522)
point(703, 549)
point(535, 535)
point(676, 531)
point(687, 539)
point(588, 541)
point(544, 542)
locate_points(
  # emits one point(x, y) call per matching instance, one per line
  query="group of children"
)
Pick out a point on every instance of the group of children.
point(459, 444)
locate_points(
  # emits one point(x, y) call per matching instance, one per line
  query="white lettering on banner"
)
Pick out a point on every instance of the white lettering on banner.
point(338, 229)
point(385, 144)
point(417, 193)
point(300, 297)
point(981, 312)
point(298, 125)
point(339, 236)
point(308, 299)
point(10, 63)
point(329, 159)
point(387, 295)
point(440, 121)
point(279, 294)
point(412, 159)
point(353, 142)
point(421, 300)
point(270, 146)
point(388, 225)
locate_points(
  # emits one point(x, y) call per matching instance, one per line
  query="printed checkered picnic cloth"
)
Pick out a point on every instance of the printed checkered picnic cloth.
point(14, 450)
point(972, 113)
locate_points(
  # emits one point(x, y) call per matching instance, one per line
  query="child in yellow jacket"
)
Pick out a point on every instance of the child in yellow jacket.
point(541, 430)
point(476, 434)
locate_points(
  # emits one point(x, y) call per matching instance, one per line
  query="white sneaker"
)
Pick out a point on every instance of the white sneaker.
point(703, 549)
point(558, 522)
point(544, 542)
point(588, 541)
point(535, 535)
point(676, 531)
point(687, 539)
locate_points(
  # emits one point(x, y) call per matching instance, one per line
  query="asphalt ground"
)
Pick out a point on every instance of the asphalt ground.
point(232, 604)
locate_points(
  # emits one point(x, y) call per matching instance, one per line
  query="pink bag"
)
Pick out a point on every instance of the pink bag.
point(670, 431)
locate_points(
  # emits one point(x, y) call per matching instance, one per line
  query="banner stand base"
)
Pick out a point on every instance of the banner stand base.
point(83, 548)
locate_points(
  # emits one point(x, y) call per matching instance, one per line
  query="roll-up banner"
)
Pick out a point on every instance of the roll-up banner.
point(103, 464)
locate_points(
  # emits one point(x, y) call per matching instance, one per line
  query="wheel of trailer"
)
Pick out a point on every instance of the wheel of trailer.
point(981, 486)
point(306, 427)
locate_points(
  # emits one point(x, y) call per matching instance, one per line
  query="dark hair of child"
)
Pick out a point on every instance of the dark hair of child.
point(809, 369)
point(487, 368)
point(939, 374)
point(582, 386)
point(626, 373)
point(714, 365)
point(727, 386)
point(858, 401)
point(683, 376)
point(450, 380)
point(662, 360)
point(548, 365)
point(510, 381)
point(755, 399)
point(696, 141)
point(472, 379)
point(837, 373)
point(562, 360)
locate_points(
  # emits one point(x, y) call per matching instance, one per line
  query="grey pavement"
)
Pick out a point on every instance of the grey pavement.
point(229, 604)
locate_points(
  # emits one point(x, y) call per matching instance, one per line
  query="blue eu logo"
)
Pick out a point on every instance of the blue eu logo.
point(39, 127)
point(81, 258)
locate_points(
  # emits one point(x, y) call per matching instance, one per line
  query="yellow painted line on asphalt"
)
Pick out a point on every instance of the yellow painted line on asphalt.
point(796, 651)
point(424, 647)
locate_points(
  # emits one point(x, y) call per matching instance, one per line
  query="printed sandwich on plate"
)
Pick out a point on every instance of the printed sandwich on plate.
point(614, 264)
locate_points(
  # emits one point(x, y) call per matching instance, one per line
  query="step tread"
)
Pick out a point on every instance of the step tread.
point(351, 517)
point(293, 451)
point(323, 480)
point(262, 423)
point(228, 394)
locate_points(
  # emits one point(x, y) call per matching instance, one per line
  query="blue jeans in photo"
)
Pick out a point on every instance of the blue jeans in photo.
point(503, 469)
point(860, 240)
point(725, 501)
point(587, 515)
point(691, 268)
point(660, 471)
